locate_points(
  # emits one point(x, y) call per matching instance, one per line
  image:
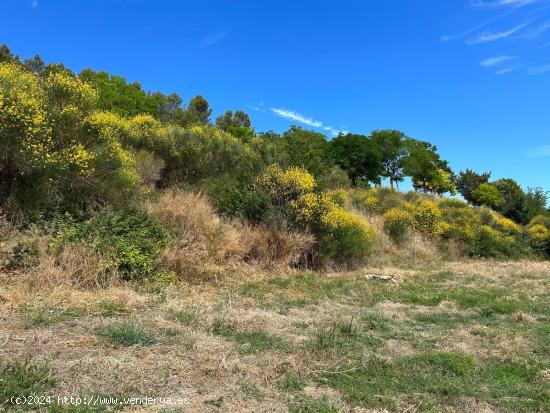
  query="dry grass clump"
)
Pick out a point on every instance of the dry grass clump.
point(205, 241)
point(76, 265)
point(413, 249)
point(270, 248)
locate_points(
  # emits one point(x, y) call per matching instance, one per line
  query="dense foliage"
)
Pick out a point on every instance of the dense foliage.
point(93, 141)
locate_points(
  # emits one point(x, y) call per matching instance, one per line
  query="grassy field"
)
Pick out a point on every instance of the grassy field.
point(466, 337)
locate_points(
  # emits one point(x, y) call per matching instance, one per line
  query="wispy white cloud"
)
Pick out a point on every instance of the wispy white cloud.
point(486, 37)
point(508, 70)
point(501, 3)
point(537, 31)
point(538, 70)
point(213, 38)
point(34, 4)
point(538, 152)
point(447, 37)
point(493, 61)
point(290, 114)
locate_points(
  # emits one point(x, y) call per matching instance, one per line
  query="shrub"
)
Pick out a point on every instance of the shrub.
point(462, 222)
point(334, 178)
point(237, 198)
point(283, 186)
point(55, 149)
point(539, 237)
point(488, 242)
point(131, 239)
point(366, 201)
point(397, 223)
point(426, 218)
point(506, 226)
point(543, 220)
point(345, 237)
point(202, 152)
point(340, 197)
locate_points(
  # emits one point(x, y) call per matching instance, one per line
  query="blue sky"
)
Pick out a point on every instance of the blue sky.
point(471, 76)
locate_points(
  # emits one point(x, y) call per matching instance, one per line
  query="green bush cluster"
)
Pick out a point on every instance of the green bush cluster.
point(131, 239)
point(93, 143)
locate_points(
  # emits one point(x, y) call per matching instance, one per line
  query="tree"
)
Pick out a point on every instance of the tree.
point(119, 96)
point(359, 156)
point(199, 111)
point(307, 149)
point(36, 64)
point(424, 164)
point(442, 182)
point(238, 124)
point(468, 181)
point(394, 153)
point(535, 203)
point(513, 199)
point(6, 56)
point(486, 194)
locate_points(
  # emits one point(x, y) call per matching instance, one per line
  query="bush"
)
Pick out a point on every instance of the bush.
point(55, 149)
point(202, 152)
point(334, 178)
point(340, 197)
point(237, 198)
point(426, 218)
point(397, 224)
point(284, 186)
point(461, 221)
point(345, 237)
point(131, 239)
point(366, 201)
point(488, 242)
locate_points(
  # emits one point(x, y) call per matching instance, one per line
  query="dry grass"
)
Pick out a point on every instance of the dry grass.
point(206, 242)
point(190, 360)
point(414, 250)
point(75, 265)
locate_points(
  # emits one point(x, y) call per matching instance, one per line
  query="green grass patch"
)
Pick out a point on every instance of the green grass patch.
point(306, 405)
point(22, 379)
point(127, 333)
point(248, 341)
point(291, 382)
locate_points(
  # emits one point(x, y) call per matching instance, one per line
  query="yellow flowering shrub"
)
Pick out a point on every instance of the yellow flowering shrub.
point(54, 146)
point(426, 217)
point(205, 152)
point(366, 201)
point(489, 242)
point(543, 220)
point(25, 134)
point(283, 186)
point(397, 223)
point(505, 225)
point(344, 236)
point(539, 233)
point(145, 132)
point(461, 221)
point(340, 197)
point(308, 208)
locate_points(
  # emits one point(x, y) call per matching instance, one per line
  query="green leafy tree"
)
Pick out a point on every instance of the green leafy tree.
point(237, 124)
point(488, 195)
point(307, 149)
point(468, 181)
point(359, 156)
point(513, 199)
point(392, 144)
point(423, 165)
point(535, 203)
